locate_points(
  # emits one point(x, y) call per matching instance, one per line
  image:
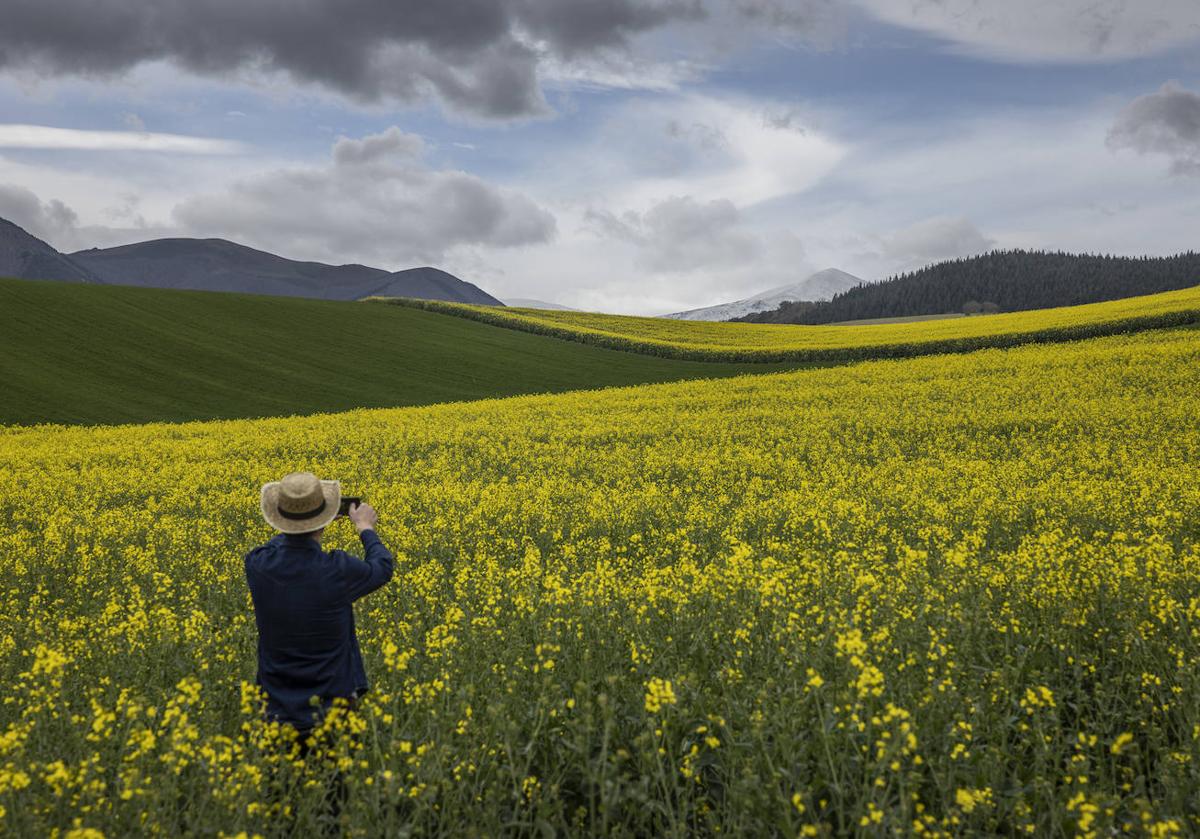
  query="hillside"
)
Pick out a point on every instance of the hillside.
point(74, 353)
point(1007, 281)
point(822, 285)
point(709, 341)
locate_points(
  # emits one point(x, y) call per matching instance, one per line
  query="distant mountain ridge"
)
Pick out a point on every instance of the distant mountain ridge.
point(822, 285)
point(221, 265)
point(1009, 281)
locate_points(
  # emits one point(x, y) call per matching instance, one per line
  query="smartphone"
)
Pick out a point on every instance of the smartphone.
point(348, 501)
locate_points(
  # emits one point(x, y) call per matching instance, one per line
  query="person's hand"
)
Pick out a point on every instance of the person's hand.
point(364, 516)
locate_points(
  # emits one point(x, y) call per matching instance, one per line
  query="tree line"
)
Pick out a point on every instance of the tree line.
point(998, 281)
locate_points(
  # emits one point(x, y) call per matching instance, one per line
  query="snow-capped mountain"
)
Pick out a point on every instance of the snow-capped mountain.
point(820, 286)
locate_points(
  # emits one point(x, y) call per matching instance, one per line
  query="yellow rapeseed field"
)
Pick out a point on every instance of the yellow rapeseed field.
point(945, 595)
point(709, 341)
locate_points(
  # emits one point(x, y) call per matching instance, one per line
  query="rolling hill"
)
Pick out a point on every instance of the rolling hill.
point(83, 353)
point(702, 340)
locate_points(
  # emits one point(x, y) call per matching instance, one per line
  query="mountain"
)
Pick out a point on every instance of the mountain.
point(29, 258)
point(220, 265)
point(530, 303)
point(1008, 281)
point(820, 286)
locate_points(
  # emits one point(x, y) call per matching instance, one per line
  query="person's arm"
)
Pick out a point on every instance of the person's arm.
point(364, 577)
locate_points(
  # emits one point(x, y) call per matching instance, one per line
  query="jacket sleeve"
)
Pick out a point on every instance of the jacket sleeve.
point(248, 562)
point(372, 572)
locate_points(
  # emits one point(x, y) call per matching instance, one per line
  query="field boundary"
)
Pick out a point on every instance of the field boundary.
point(909, 349)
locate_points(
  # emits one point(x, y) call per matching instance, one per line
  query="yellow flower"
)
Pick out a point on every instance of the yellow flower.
point(659, 694)
point(969, 799)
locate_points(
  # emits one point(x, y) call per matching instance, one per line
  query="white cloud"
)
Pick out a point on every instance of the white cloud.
point(729, 150)
point(619, 70)
point(933, 240)
point(46, 137)
point(50, 221)
point(1049, 30)
point(1037, 178)
point(57, 223)
point(681, 235)
point(376, 201)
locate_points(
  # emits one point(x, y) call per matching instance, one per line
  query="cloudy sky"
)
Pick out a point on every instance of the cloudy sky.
point(637, 156)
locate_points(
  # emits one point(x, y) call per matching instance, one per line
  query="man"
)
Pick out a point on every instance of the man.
point(303, 597)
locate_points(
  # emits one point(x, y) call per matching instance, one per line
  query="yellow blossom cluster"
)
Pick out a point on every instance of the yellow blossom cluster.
point(659, 693)
point(949, 595)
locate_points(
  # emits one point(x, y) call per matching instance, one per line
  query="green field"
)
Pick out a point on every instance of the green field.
point(717, 341)
point(72, 353)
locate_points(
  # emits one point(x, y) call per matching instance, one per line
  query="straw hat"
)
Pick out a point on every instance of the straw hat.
point(300, 503)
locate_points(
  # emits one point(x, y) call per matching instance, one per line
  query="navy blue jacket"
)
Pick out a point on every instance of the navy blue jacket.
point(303, 600)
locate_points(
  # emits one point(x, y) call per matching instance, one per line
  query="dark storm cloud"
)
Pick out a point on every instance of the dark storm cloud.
point(479, 56)
point(1164, 122)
